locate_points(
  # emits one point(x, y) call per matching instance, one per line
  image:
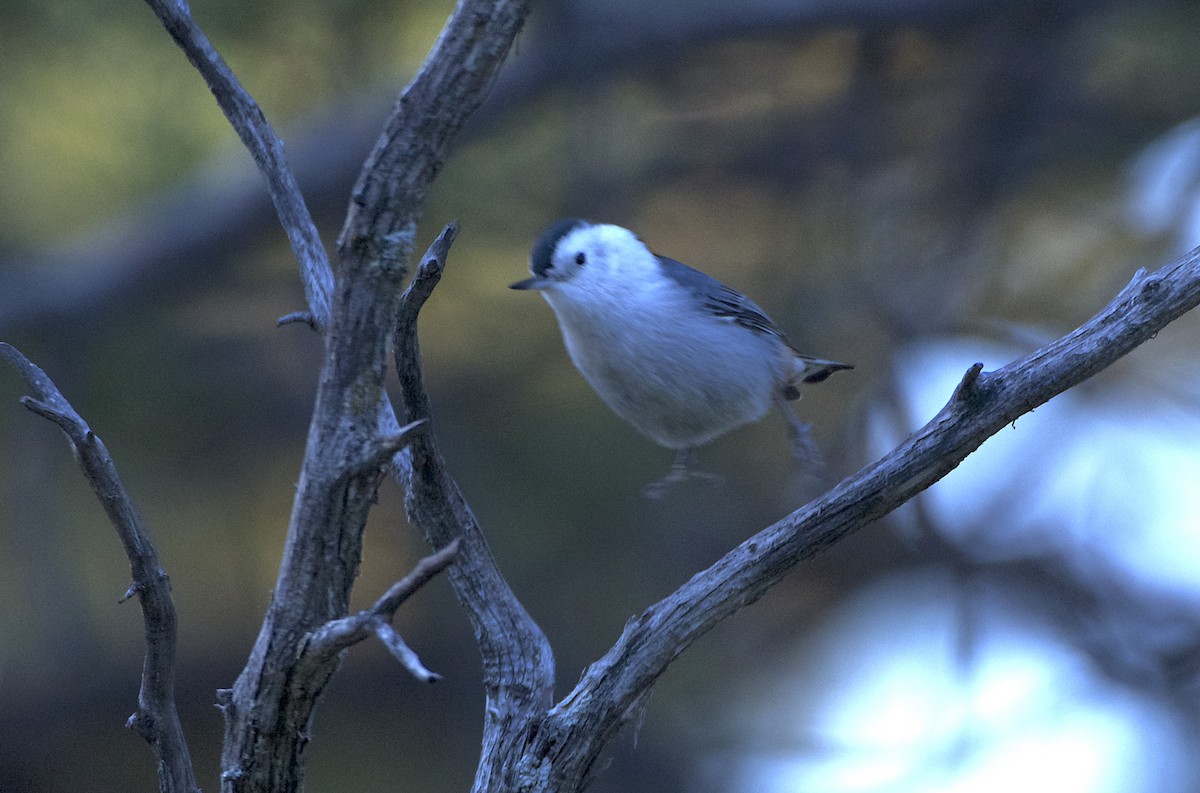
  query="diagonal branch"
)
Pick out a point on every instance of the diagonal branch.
point(389, 197)
point(337, 635)
point(382, 450)
point(155, 719)
point(264, 145)
point(579, 726)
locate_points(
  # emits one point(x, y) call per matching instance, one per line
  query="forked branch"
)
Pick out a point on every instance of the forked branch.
point(338, 635)
point(378, 236)
point(518, 665)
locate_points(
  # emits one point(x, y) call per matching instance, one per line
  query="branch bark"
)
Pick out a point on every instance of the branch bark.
point(387, 203)
point(389, 196)
point(156, 718)
point(579, 727)
point(518, 665)
point(269, 709)
point(339, 635)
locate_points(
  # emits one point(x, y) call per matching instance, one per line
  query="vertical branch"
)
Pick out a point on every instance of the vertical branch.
point(386, 204)
point(155, 719)
point(266, 722)
point(518, 665)
point(269, 710)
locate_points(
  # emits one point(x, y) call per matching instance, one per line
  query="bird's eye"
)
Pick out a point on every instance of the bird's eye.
point(581, 258)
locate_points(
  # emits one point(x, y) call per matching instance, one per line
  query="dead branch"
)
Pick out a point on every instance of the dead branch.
point(269, 709)
point(156, 718)
point(263, 144)
point(518, 664)
point(579, 727)
point(338, 635)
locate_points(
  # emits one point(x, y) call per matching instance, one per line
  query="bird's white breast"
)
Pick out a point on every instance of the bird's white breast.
point(681, 381)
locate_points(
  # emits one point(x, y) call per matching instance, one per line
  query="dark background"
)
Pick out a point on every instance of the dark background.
point(910, 186)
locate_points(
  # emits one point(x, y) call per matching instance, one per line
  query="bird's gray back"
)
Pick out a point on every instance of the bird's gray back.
point(719, 299)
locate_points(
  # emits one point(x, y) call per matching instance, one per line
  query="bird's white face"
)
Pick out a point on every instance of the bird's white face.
point(597, 259)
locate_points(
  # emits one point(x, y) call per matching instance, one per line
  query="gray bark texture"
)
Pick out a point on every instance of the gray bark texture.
point(530, 742)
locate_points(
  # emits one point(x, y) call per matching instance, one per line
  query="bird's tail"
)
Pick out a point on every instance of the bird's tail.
point(816, 370)
point(806, 369)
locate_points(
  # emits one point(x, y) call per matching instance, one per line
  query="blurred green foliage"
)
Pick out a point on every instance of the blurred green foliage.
point(100, 108)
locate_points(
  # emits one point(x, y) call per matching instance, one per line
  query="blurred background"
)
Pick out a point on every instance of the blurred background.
point(911, 186)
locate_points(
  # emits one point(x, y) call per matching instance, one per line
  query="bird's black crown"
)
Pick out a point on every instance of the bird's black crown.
point(543, 249)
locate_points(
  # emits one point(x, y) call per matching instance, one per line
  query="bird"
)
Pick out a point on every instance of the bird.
point(671, 350)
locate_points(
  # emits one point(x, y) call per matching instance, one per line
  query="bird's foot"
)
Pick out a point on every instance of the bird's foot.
point(805, 452)
point(680, 472)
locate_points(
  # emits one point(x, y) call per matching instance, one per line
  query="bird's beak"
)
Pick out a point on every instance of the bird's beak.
point(532, 283)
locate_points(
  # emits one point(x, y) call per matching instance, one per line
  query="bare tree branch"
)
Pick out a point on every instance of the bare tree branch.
point(155, 719)
point(581, 725)
point(338, 635)
point(518, 665)
point(389, 196)
point(298, 317)
point(389, 602)
point(266, 723)
point(269, 710)
point(387, 202)
point(264, 145)
point(385, 447)
point(402, 652)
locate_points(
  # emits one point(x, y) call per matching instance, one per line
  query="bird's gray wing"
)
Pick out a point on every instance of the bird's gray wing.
point(720, 300)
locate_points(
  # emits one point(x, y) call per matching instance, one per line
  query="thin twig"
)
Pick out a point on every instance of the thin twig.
point(341, 634)
point(428, 274)
point(400, 650)
point(384, 448)
point(389, 602)
point(300, 317)
point(155, 719)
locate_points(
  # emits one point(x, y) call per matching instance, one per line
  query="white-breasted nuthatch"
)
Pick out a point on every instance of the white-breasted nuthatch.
point(676, 353)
